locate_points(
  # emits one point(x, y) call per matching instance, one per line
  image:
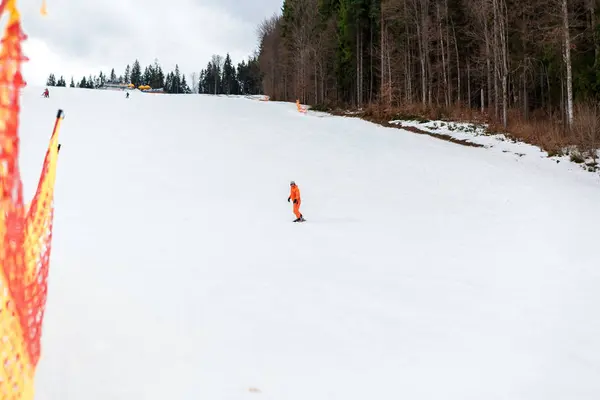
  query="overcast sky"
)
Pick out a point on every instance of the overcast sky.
point(82, 37)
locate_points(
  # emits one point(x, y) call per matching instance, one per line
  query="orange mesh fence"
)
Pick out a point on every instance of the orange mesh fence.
point(25, 232)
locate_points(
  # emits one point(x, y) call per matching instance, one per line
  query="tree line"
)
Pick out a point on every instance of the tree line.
point(219, 77)
point(152, 75)
point(513, 60)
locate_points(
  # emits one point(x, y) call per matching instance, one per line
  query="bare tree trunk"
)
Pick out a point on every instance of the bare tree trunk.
point(549, 92)
point(505, 98)
point(469, 104)
point(423, 76)
point(496, 59)
point(362, 75)
point(371, 67)
point(562, 97)
point(542, 88)
point(389, 72)
point(304, 80)
point(421, 45)
point(438, 88)
point(382, 50)
point(525, 96)
point(408, 79)
point(567, 59)
point(422, 13)
point(316, 80)
point(448, 55)
point(592, 9)
point(429, 72)
point(504, 52)
point(445, 77)
point(482, 101)
point(488, 58)
point(322, 80)
point(357, 68)
point(458, 92)
point(273, 76)
point(409, 95)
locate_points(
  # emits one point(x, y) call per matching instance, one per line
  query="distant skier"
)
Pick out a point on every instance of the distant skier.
point(295, 197)
point(46, 93)
point(127, 95)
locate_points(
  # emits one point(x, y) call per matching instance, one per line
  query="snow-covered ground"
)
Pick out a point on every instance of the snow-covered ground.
point(425, 270)
point(477, 134)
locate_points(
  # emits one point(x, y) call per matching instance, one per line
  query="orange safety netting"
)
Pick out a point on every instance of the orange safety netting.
point(25, 232)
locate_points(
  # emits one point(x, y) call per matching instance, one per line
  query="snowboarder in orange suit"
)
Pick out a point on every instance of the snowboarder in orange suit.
point(295, 197)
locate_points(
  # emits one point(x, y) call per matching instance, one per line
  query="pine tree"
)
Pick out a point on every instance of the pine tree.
point(228, 82)
point(169, 83)
point(202, 82)
point(147, 77)
point(184, 86)
point(136, 74)
point(344, 54)
point(72, 83)
point(113, 76)
point(208, 79)
point(51, 80)
point(249, 77)
point(254, 78)
point(83, 83)
point(216, 73)
point(234, 81)
point(127, 76)
point(61, 82)
point(158, 77)
point(176, 88)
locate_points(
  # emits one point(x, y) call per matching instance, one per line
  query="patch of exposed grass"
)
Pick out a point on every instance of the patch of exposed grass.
point(321, 108)
point(577, 158)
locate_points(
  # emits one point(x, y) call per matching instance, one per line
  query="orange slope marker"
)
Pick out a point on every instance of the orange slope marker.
point(301, 108)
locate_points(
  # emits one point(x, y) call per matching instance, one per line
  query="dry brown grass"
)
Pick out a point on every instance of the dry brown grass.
point(383, 116)
point(551, 134)
point(540, 129)
point(548, 133)
point(586, 129)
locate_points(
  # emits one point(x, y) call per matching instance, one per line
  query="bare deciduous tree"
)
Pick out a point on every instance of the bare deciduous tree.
point(195, 82)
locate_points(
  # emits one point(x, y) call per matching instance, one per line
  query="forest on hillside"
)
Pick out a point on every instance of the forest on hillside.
point(220, 76)
point(531, 66)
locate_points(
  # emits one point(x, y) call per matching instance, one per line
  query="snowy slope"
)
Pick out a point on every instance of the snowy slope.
point(426, 270)
point(476, 134)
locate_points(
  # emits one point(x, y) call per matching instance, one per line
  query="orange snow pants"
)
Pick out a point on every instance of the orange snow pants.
point(297, 209)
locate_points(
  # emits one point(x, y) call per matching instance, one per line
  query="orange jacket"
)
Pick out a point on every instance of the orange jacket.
point(295, 193)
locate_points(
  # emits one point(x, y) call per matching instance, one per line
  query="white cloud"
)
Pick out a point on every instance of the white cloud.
point(43, 60)
point(79, 38)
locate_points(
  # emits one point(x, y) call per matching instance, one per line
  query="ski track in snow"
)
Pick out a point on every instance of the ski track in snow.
point(425, 270)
